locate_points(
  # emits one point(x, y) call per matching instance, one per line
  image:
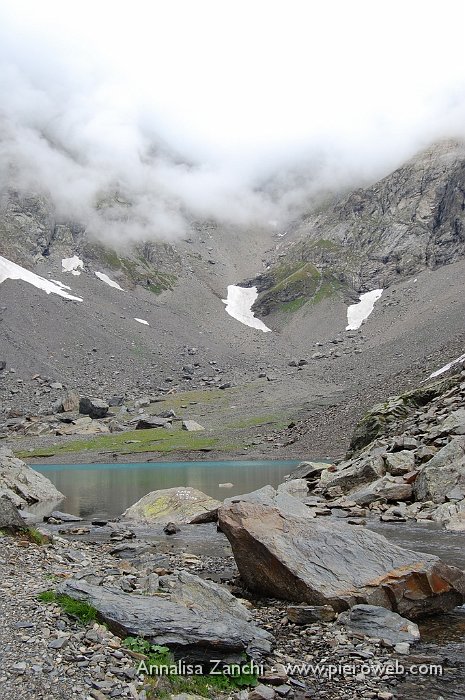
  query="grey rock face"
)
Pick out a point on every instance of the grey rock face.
point(304, 560)
point(198, 617)
point(409, 221)
point(23, 485)
point(378, 622)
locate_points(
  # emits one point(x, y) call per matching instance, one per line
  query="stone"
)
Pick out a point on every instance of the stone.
point(63, 517)
point(309, 470)
point(262, 692)
point(298, 559)
point(10, 519)
point(442, 472)
point(385, 489)
point(268, 496)
point(170, 529)
point(70, 403)
point(95, 408)
point(398, 463)
point(22, 485)
point(192, 426)
point(306, 614)
point(402, 648)
point(377, 622)
point(349, 475)
point(146, 422)
point(179, 505)
point(199, 617)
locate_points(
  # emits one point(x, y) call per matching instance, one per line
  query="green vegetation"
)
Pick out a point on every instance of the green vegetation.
point(36, 537)
point(207, 686)
point(150, 440)
point(78, 609)
point(290, 275)
point(273, 420)
point(294, 305)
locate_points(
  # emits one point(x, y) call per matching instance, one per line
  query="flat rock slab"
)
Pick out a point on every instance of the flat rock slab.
point(199, 618)
point(179, 505)
point(302, 560)
point(374, 621)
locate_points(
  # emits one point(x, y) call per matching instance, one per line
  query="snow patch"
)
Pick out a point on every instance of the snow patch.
point(447, 367)
point(239, 304)
point(12, 271)
point(72, 265)
point(358, 313)
point(61, 285)
point(102, 276)
point(141, 320)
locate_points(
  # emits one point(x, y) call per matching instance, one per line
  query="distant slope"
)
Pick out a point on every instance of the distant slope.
point(411, 220)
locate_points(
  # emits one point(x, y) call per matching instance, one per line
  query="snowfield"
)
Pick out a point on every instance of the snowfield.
point(102, 276)
point(446, 367)
point(72, 265)
point(358, 313)
point(239, 304)
point(12, 271)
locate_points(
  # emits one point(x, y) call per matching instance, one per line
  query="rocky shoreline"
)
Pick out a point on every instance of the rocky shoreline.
point(300, 581)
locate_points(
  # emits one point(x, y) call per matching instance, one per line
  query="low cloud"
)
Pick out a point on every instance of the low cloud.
point(74, 125)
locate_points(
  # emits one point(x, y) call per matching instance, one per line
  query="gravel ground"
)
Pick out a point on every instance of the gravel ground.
point(48, 656)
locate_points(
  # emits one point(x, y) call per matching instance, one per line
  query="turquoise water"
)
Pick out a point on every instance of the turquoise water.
point(106, 490)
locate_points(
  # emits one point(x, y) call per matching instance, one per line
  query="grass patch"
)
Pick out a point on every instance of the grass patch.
point(168, 681)
point(256, 421)
point(36, 537)
point(294, 305)
point(78, 609)
point(150, 440)
point(306, 272)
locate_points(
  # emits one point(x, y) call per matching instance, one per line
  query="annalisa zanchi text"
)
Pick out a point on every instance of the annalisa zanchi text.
point(217, 667)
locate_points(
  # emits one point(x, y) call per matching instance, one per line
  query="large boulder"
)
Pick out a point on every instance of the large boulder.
point(374, 621)
point(294, 558)
point(351, 474)
point(388, 488)
point(180, 505)
point(280, 499)
point(442, 473)
point(197, 618)
point(22, 485)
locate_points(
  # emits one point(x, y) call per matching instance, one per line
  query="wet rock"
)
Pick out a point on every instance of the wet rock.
point(380, 623)
point(200, 616)
point(170, 529)
point(178, 505)
point(63, 517)
point(294, 558)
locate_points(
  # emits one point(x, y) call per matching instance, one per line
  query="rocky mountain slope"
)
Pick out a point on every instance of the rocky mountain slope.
point(410, 221)
point(403, 234)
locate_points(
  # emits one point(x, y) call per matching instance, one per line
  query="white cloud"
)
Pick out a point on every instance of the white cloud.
point(185, 109)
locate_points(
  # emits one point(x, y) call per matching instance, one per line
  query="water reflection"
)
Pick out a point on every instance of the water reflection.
point(106, 490)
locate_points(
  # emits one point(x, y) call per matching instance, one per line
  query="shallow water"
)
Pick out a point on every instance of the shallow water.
point(442, 636)
point(106, 490)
